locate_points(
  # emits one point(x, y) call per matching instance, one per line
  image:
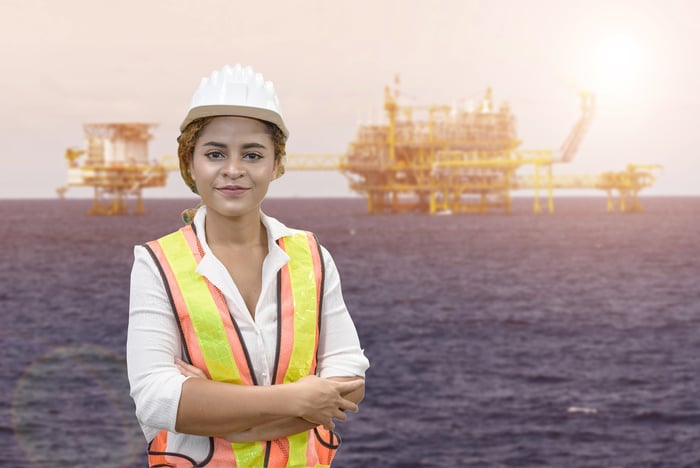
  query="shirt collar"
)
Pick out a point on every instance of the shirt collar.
point(213, 269)
point(275, 229)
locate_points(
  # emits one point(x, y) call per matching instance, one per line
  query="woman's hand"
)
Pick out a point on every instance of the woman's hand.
point(188, 370)
point(321, 400)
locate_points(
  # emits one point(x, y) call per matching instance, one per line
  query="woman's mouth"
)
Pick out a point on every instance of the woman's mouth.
point(232, 190)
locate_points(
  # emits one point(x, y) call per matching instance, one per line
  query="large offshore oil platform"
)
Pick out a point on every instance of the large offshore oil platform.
point(433, 159)
point(442, 159)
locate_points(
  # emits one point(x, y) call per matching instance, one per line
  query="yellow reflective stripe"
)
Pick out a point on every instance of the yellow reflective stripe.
point(202, 310)
point(249, 455)
point(297, 450)
point(302, 279)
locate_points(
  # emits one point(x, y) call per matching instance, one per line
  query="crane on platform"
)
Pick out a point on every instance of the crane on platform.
point(570, 146)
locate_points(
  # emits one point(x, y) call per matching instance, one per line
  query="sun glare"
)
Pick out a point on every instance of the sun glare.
point(615, 66)
point(620, 58)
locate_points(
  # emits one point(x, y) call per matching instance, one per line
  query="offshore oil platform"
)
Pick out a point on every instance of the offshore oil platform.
point(116, 166)
point(442, 159)
point(433, 159)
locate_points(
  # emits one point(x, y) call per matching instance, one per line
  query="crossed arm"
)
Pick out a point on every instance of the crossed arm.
point(246, 414)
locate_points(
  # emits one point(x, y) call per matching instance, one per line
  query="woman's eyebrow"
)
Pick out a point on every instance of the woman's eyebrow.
point(253, 145)
point(215, 144)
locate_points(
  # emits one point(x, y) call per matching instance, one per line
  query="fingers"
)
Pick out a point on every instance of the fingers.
point(344, 404)
point(347, 405)
point(327, 423)
point(340, 415)
point(188, 370)
point(349, 386)
point(321, 401)
point(338, 412)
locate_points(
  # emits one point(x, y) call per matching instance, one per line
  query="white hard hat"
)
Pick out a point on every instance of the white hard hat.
point(236, 91)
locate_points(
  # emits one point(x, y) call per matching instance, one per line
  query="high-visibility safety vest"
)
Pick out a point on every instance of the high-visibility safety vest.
point(213, 343)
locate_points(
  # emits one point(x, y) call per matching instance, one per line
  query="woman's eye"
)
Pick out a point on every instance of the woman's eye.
point(215, 155)
point(252, 156)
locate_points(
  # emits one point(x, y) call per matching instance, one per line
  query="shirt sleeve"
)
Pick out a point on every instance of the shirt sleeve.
point(153, 341)
point(339, 351)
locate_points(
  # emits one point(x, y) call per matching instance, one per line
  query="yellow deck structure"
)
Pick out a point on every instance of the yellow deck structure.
point(115, 164)
point(442, 159)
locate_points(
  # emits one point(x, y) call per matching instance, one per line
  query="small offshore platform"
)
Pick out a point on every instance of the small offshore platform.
point(436, 159)
point(115, 164)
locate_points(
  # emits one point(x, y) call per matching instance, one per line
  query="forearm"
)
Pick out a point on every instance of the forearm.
point(208, 407)
point(272, 430)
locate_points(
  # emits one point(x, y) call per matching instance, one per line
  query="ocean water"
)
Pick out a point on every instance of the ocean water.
point(564, 340)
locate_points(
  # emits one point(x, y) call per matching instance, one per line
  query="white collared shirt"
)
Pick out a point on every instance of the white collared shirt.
point(153, 338)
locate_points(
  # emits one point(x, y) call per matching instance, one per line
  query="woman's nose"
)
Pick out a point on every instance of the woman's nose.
point(233, 168)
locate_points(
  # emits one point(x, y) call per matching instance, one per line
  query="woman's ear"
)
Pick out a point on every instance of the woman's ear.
point(279, 166)
point(190, 171)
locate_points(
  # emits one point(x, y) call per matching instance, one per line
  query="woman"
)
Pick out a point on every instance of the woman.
point(240, 349)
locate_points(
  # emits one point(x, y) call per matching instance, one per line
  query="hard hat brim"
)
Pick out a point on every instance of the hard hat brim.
point(241, 111)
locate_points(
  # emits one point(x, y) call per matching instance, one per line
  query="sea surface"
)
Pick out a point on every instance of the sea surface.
point(563, 340)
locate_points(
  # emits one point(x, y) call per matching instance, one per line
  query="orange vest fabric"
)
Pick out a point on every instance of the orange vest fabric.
point(214, 344)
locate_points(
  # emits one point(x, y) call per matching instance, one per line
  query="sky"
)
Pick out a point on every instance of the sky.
point(77, 61)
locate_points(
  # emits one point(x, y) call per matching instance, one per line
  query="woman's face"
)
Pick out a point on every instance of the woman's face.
point(233, 164)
